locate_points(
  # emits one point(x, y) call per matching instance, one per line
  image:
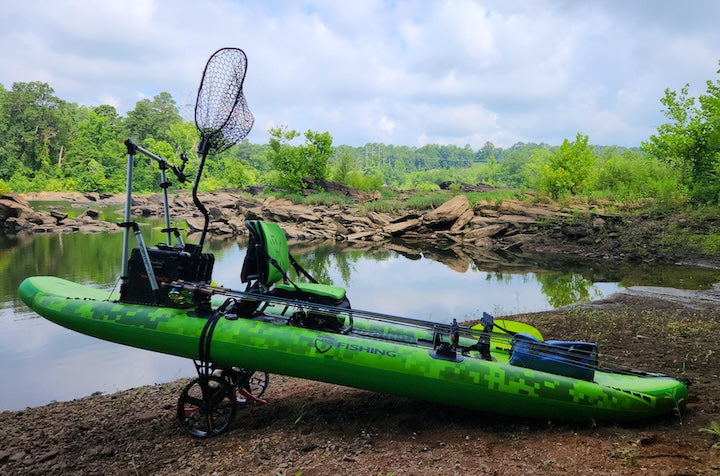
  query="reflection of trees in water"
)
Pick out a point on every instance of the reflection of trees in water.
point(84, 258)
point(564, 289)
point(560, 289)
point(319, 261)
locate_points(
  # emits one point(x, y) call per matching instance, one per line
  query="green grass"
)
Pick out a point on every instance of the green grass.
point(714, 429)
point(421, 201)
point(316, 199)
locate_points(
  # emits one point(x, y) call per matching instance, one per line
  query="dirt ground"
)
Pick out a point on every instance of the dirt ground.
point(310, 428)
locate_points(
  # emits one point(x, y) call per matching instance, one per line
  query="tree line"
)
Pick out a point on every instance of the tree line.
point(47, 143)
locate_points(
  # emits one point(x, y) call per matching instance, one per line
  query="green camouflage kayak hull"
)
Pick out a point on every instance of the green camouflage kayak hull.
point(398, 366)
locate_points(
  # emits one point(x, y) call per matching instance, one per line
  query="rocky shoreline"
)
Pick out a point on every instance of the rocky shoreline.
point(487, 226)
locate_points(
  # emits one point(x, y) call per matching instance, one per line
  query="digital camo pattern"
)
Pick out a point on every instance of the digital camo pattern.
point(400, 368)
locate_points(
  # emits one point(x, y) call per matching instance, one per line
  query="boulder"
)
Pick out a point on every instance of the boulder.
point(90, 213)
point(256, 189)
point(58, 216)
point(42, 219)
point(349, 220)
point(516, 241)
point(360, 236)
point(445, 236)
point(195, 223)
point(341, 189)
point(340, 229)
point(14, 197)
point(16, 224)
point(216, 213)
point(516, 220)
point(254, 214)
point(286, 211)
point(514, 207)
point(485, 232)
point(402, 227)
point(380, 219)
point(487, 212)
point(462, 220)
point(221, 228)
point(237, 224)
point(91, 228)
point(296, 232)
point(180, 203)
point(466, 187)
point(448, 212)
point(243, 204)
point(406, 217)
point(480, 221)
point(14, 209)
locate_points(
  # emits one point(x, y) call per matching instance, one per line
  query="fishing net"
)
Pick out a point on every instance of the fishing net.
point(221, 112)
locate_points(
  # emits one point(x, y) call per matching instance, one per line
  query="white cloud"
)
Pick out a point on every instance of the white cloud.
point(457, 71)
point(386, 124)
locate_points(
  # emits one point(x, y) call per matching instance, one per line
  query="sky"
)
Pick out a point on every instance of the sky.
point(399, 72)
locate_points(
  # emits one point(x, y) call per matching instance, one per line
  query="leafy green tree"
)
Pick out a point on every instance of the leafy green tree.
point(316, 153)
point(183, 137)
point(146, 174)
point(97, 140)
point(153, 118)
point(690, 142)
point(91, 177)
point(343, 166)
point(34, 128)
point(292, 163)
point(630, 175)
point(487, 151)
point(566, 169)
point(365, 181)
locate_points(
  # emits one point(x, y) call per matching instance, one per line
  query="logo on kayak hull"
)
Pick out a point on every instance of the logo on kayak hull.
point(323, 343)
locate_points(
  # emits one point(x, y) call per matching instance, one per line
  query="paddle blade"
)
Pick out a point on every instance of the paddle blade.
point(499, 339)
point(221, 112)
point(515, 327)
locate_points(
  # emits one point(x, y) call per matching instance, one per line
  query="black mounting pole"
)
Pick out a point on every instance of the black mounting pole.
point(203, 149)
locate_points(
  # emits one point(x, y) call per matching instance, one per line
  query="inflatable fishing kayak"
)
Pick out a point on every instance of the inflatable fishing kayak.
point(382, 356)
point(299, 327)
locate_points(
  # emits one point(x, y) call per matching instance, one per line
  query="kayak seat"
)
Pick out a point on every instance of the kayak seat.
point(268, 261)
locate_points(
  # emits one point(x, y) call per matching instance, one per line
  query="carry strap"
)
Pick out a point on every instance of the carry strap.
point(300, 270)
point(206, 335)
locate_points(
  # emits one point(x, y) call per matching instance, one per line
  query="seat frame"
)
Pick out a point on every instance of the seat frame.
point(266, 266)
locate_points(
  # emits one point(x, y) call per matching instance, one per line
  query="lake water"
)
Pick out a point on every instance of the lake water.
point(44, 362)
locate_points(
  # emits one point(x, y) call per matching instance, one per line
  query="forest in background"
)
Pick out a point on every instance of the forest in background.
point(48, 144)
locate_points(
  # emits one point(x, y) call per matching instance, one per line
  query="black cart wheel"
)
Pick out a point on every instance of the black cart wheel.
point(255, 382)
point(206, 407)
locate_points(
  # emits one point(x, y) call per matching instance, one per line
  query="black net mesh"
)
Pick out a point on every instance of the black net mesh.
point(221, 113)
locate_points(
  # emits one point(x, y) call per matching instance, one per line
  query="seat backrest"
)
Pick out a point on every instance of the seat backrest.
point(267, 258)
